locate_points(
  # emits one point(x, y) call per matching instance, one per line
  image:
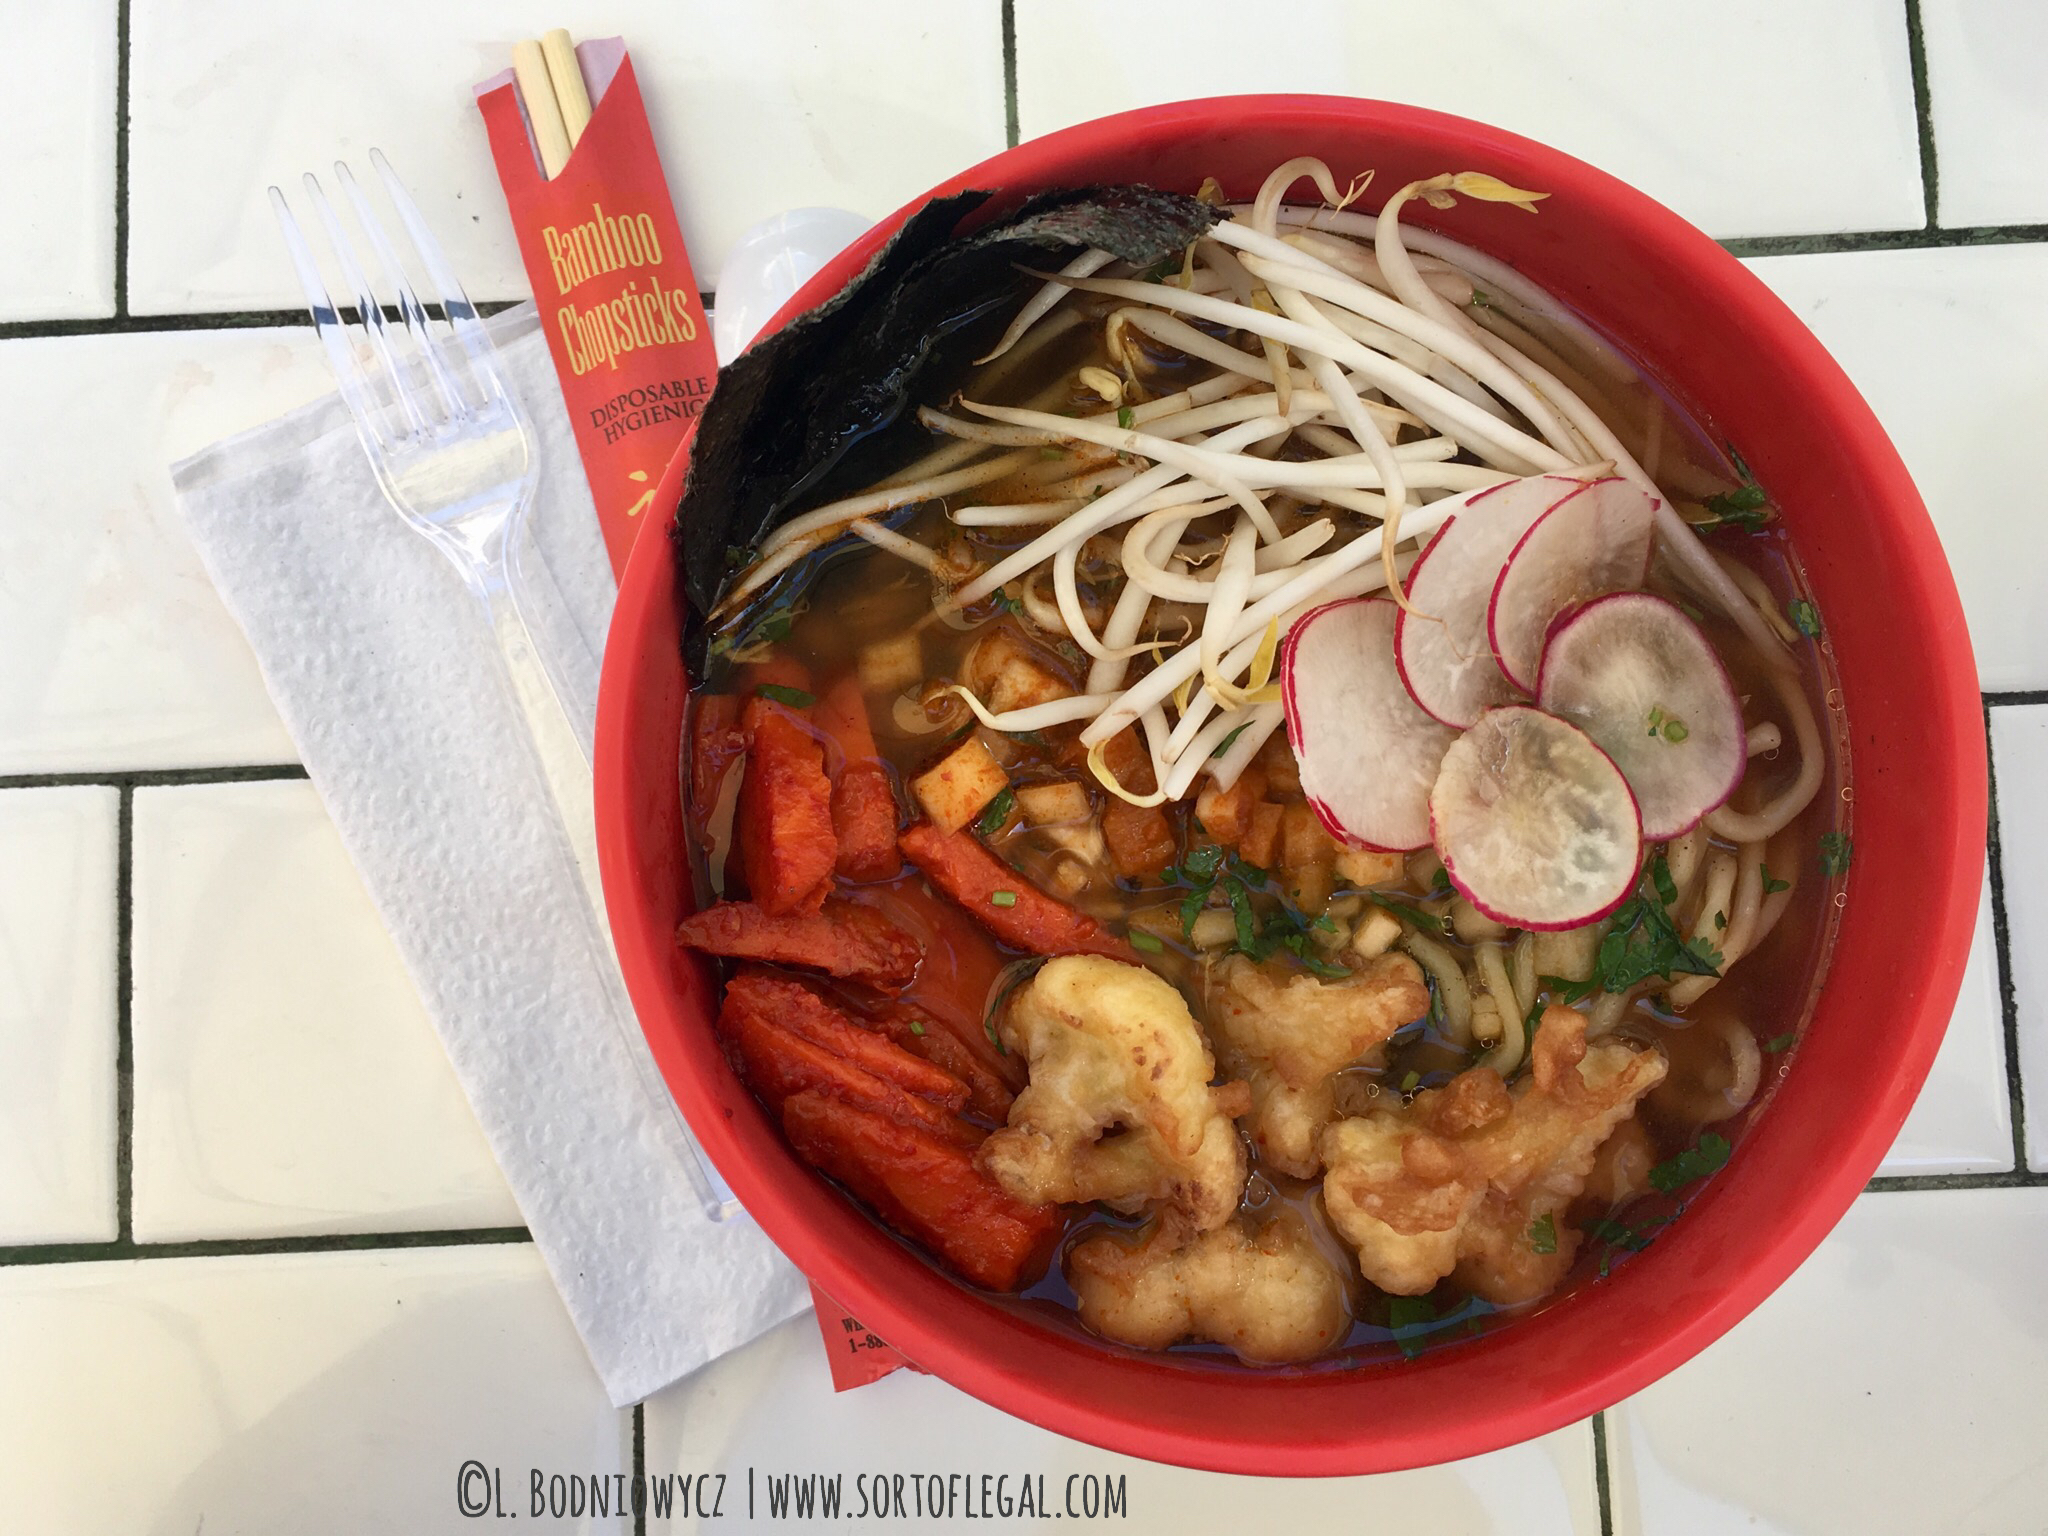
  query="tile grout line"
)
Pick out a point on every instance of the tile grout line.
point(2001, 945)
point(154, 778)
point(1885, 240)
point(1923, 114)
point(124, 1018)
point(640, 1469)
point(1010, 73)
point(121, 159)
point(1601, 1482)
point(233, 1247)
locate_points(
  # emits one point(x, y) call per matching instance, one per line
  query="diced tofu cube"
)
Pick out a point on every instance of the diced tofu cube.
point(1226, 814)
point(1046, 805)
point(1571, 953)
point(1474, 926)
point(1376, 933)
point(1362, 867)
point(1261, 840)
point(1276, 760)
point(954, 792)
point(1005, 673)
point(892, 665)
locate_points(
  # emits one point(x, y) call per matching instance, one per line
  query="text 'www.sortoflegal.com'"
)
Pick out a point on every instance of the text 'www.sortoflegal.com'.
point(485, 1492)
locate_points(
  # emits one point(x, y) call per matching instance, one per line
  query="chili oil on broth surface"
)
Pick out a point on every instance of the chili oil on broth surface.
point(1726, 1050)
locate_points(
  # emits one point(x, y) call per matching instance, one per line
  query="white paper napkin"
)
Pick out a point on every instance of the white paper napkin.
point(390, 684)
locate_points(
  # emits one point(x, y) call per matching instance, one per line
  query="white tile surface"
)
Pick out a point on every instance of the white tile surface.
point(286, 1078)
point(318, 1393)
point(1891, 1385)
point(1990, 112)
point(118, 653)
point(2019, 759)
point(1962, 1121)
point(57, 261)
point(1750, 117)
point(770, 1406)
point(756, 109)
point(57, 869)
point(1951, 349)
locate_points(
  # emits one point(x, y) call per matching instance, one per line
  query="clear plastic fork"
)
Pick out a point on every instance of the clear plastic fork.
point(454, 454)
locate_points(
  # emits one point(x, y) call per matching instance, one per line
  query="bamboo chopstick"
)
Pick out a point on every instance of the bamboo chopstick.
point(537, 91)
point(567, 75)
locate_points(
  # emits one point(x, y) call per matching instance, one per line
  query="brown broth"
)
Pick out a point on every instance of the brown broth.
point(854, 594)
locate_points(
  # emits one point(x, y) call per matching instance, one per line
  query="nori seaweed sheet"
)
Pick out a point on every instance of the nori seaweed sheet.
point(790, 410)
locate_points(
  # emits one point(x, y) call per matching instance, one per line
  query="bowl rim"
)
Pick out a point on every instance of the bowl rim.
point(1052, 1399)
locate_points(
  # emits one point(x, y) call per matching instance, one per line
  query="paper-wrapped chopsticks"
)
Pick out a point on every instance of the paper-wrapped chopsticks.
point(552, 91)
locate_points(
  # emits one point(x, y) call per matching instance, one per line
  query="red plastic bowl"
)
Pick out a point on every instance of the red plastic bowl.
point(1739, 360)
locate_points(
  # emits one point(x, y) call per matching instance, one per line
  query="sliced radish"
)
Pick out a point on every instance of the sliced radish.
point(1534, 822)
point(1596, 540)
point(1636, 675)
point(1368, 755)
point(1442, 647)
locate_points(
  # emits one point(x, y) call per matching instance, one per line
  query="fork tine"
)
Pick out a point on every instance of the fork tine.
point(454, 404)
point(349, 377)
point(366, 302)
point(462, 315)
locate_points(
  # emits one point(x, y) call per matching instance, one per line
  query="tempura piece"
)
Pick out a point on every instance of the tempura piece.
point(1269, 1296)
point(1476, 1177)
point(1307, 1028)
point(1286, 1037)
point(1119, 1107)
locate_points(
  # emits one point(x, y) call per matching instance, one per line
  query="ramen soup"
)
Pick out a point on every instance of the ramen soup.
point(1296, 823)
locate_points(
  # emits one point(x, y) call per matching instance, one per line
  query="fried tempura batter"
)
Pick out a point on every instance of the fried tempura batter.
point(1463, 1177)
point(1287, 1037)
point(1270, 1296)
point(1119, 1107)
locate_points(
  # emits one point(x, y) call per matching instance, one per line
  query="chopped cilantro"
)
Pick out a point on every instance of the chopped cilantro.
point(1779, 1043)
point(1772, 885)
point(1543, 1234)
point(1159, 271)
point(1674, 1173)
point(1002, 898)
point(1620, 1237)
point(1408, 1319)
point(1565, 992)
point(1191, 908)
point(1223, 746)
point(1148, 942)
point(1835, 850)
point(1745, 507)
point(1126, 417)
point(1414, 916)
point(1805, 617)
point(1660, 876)
point(795, 698)
point(1720, 919)
point(1441, 885)
point(997, 813)
point(1014, 606)
point(1644, 942)
point(988, 1027)
point(1241, 910)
